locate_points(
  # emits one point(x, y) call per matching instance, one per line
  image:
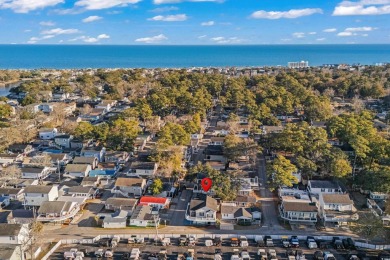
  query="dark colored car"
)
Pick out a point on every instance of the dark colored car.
point(318, 255)
point(294, 241)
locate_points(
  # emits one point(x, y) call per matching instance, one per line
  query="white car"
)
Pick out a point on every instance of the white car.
point(245, 255)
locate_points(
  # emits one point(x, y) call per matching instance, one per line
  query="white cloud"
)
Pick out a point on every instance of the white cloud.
point(104, 4)
point(330, 30)
point(321, 39)
point(312, 33)
point(169, 18)
point(362, 7)
point(103, 36)
point(354, 31)
point(202, 36)
point(36, 39)
point(158, 2)
point(164, 9)
point(345, 34)
point(89, 39)
point(92, 18)
point(224, 40)
point(209, 23)
point(298, 35)
point(360, 29)
point(27, 30)
point(293, 13)
point(25, 6)
point(153, 39)
point(59, 31)
point(48, 23)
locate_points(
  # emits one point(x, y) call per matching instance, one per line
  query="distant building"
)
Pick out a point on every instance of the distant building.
point(298, 64)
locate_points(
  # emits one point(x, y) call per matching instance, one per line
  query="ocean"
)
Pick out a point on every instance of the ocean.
point(118, 56)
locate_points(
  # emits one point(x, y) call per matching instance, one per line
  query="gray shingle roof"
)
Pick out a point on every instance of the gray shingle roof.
point(54, 207)
point(323, 184)
point(337, 198)
point(37, 189)
point(9, 229)
point(76, 167)
point(204, 201)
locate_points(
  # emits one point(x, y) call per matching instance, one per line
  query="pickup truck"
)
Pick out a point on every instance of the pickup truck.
point(262, 254)
point(244, 241)
point(329, 256)
point(311, 243)
point(272, 254)
point(268, 241)
point(134, 255)
point(234, 242)
point(245, 255)
point(294, 241)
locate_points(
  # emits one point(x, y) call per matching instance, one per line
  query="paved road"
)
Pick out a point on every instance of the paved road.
point(178, 213)
point(268, 202)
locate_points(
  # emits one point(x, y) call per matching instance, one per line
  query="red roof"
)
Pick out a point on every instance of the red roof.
point(145, 200)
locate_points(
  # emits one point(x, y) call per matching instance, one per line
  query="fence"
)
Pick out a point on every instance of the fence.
point(52, 250)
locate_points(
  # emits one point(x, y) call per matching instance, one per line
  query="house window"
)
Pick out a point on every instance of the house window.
point(329, 190)
point(42, 195)
point(11, 238)
point(201, 214)
point(322, 190)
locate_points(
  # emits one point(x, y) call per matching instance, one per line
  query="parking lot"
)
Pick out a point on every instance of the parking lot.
point(201, 251)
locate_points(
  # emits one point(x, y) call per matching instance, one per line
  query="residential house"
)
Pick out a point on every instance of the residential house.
point(245, 201)
point(117, 204)
point(216, 140)
point(47, 133)
point(15, 194)
point(77, 170)
point(130, 187)
point(93, 161)
point(21, 216)
point(35, 195)
point(143, 217)
point(106, 105)
point(94, 151)
point(116, 220)
point(317, 187)
point(202, 210)
point(63, 140)
point(215, 153)
point(378, 196)
point(81, 192)
point(157, 202)
point(59, 159)
point(232, 213)
point(76, 144)
point(90, 182)
point(57, 211)
point(337, 208)
point(35, 173)
point(46, 108)
point(102, 174)
point(118, 157)
point(60, 95)
point(7, 159)
point(143, 168)
point(11, 252)
point(13, 233)
point(298, 209)
point(24, 149)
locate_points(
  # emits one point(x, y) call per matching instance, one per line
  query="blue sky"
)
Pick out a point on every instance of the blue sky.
point(194, 21)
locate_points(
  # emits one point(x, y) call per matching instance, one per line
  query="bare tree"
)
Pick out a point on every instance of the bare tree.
point(10, 172)
point(86, 109)
point(357, 104)
point(43, 160)
point(32, 238)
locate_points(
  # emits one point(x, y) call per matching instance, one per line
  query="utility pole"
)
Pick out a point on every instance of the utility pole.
point(155, 218)
point(59, 170)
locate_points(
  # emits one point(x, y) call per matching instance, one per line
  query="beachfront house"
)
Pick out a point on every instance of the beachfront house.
point(13, 233)
point(337, 209)
point(47, 133)
point(129, 187)
point(35, 195)
point(202, 210)
point(35, 172)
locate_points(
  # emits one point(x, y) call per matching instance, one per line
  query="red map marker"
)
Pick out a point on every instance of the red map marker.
point(206, 184)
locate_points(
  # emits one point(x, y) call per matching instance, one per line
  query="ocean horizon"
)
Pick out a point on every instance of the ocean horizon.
point(14, 56)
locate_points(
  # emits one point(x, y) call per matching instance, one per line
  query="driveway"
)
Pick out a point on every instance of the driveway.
point(268, 200)
point(177, 212)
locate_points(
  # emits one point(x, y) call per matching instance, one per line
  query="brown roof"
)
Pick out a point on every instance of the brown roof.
point(299, 206)
point(337, 198)
point(128, 182)
point(118, 202)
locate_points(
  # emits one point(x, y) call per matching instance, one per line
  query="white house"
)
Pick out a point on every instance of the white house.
point(130, 186)
point(35, 195)
point(35, 173)
point(81, 192)
point(317, 186)
point(378, 195)
point(116, 204)
point(57, 211)
point(94, 151)
point(143, 217)
point(13, 233)
point(202, 210)
point(234, 213)
point(337, 208)
point(63, 140)
point(47, 133)
point(143, 168)
point(12, 193)
point(116, 220)
point(77, 170)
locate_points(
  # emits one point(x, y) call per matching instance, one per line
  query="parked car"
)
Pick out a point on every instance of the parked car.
point(217, 240)
point(166, 241)
point(245, 255)
point(329, 256)
point(99, 253)
point(348, 243)
point(208, 242)
point(272, 254)
point(294, 241)
point(311, 243)
point(285, 242)
point(109, 253)
point(318, 255)
point(384, 255)
point(217, 254)
point(234, 242)
point(259, 240)
point(268, 241)
point(262, 255)
point(235, 255)
point(244, 241)
point(299, 255)
point(183, 240)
